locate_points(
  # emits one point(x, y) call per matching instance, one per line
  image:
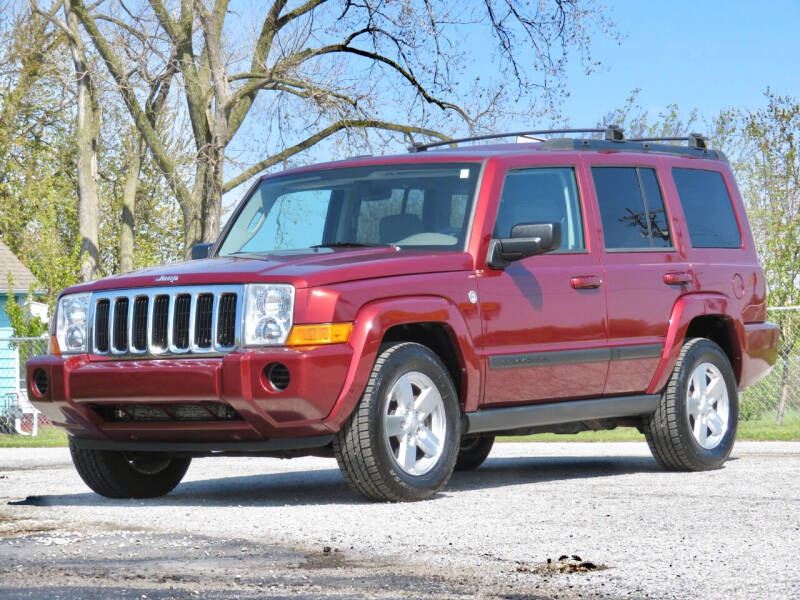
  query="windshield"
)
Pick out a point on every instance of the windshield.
point(410, 206)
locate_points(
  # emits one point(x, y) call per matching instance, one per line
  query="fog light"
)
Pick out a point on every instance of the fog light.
point(40, 383)
point(278, 376)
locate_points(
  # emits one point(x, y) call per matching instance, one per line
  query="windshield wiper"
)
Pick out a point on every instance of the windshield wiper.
point(353, 245)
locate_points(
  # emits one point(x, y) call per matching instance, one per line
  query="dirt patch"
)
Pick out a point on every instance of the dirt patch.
point(12, 527)
point(564, 564)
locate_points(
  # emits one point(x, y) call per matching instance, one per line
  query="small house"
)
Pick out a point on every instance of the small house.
point(10, 363)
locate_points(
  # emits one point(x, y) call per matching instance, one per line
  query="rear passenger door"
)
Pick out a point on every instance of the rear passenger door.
point(644, 271)
point(544, 334)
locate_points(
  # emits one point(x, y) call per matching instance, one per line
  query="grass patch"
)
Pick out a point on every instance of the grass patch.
point(49, 437)
point(620, 434)
point(761, 430)
point(764, 429)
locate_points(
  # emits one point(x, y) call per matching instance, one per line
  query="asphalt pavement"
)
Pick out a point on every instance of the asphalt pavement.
point(611, 523)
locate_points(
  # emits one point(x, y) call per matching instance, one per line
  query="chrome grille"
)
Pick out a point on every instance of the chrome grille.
point(119, 339)
point(101, 321)
point(156, 322)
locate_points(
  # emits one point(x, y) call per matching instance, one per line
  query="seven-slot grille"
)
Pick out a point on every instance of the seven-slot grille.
point(166, 321)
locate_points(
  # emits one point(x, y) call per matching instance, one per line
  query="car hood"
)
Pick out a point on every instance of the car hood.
point(303, 268)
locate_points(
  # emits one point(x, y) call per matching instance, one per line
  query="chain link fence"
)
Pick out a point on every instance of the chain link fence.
point(776, 398)
point(773, 401)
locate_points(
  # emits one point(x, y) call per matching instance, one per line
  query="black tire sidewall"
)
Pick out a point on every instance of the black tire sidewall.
point(701, 352)
point(111, 475)
point(415, 357)
point(472, 456)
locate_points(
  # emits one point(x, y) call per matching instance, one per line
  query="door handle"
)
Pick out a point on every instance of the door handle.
point(678, 278)
point(586, 282)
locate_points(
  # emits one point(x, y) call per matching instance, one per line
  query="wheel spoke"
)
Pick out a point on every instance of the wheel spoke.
point(700, 430)
point(410, 457)
point(427, 402)
point(715, 389)
point(427, 441)
point(406, 452)
point(694, 406)
point(715, 423)
point(699, 382)
point(404, 395)
point(394, 425)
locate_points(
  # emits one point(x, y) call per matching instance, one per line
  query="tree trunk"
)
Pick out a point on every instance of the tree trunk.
point(126, 234)
point(86, 131)
point(212, 194)
point(201, 219)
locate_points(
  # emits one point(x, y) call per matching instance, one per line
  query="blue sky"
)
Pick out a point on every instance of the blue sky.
point(699, 54)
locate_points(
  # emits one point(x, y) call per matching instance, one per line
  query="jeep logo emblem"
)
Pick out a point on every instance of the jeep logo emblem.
point(167, 278)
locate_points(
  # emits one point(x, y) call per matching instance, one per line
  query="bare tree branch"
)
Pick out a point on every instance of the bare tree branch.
point(322, 134)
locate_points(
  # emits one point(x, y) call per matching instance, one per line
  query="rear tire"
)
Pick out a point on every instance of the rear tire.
point(694, 426)
point(128, 475)
point(401, 442)
point(473, 451)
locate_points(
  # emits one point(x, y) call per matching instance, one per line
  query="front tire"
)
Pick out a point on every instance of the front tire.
point(128, 475)
point(694, 426)
point(401, 442)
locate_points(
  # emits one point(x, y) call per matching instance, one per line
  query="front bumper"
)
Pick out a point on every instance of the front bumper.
point(78, 385)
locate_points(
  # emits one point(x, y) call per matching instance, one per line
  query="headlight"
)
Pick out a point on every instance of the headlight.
point(268, 313)
point(72, 319)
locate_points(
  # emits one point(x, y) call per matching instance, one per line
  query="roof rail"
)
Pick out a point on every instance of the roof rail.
point(612, 133)
point(613, 139)
point(695, 140)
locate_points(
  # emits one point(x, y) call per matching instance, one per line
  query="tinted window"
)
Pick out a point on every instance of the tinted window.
point(631, 208)
point(542, 196)
point(708, 209)
point(414, 206)
point(659, 228)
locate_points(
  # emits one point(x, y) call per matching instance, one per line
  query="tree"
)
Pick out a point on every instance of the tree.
point(39, 217)
point(22, 322)
point(335, 66)
point(636, 121)
point(38, 210)
point(772, 191)
point(87, 129)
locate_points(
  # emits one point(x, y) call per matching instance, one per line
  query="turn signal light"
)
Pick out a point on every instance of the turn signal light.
point(323, 333)
point(52, 347)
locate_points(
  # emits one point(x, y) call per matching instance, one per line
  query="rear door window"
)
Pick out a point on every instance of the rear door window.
point(707, 208)
point(631, 208)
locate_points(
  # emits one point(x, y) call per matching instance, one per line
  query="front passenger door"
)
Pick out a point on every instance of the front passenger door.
point(544, 317)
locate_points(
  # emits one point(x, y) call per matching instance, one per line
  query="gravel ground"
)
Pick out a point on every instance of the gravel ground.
point(254, 528)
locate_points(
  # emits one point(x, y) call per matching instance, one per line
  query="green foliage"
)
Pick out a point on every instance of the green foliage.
point(771, 187)
point(23, 323)
point(637, 121)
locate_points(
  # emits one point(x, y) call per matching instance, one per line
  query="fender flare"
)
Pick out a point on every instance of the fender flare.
point(371, 323)
point(685, 309)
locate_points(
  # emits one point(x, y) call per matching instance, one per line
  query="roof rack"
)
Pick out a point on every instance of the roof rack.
point(695, 140)
point(613, 139)
point(613, 133)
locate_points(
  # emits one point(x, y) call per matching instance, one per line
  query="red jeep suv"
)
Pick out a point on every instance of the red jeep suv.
point(400, 312)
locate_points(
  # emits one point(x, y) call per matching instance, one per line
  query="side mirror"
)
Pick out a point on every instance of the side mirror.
point(527, 239)
point(200, 251)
